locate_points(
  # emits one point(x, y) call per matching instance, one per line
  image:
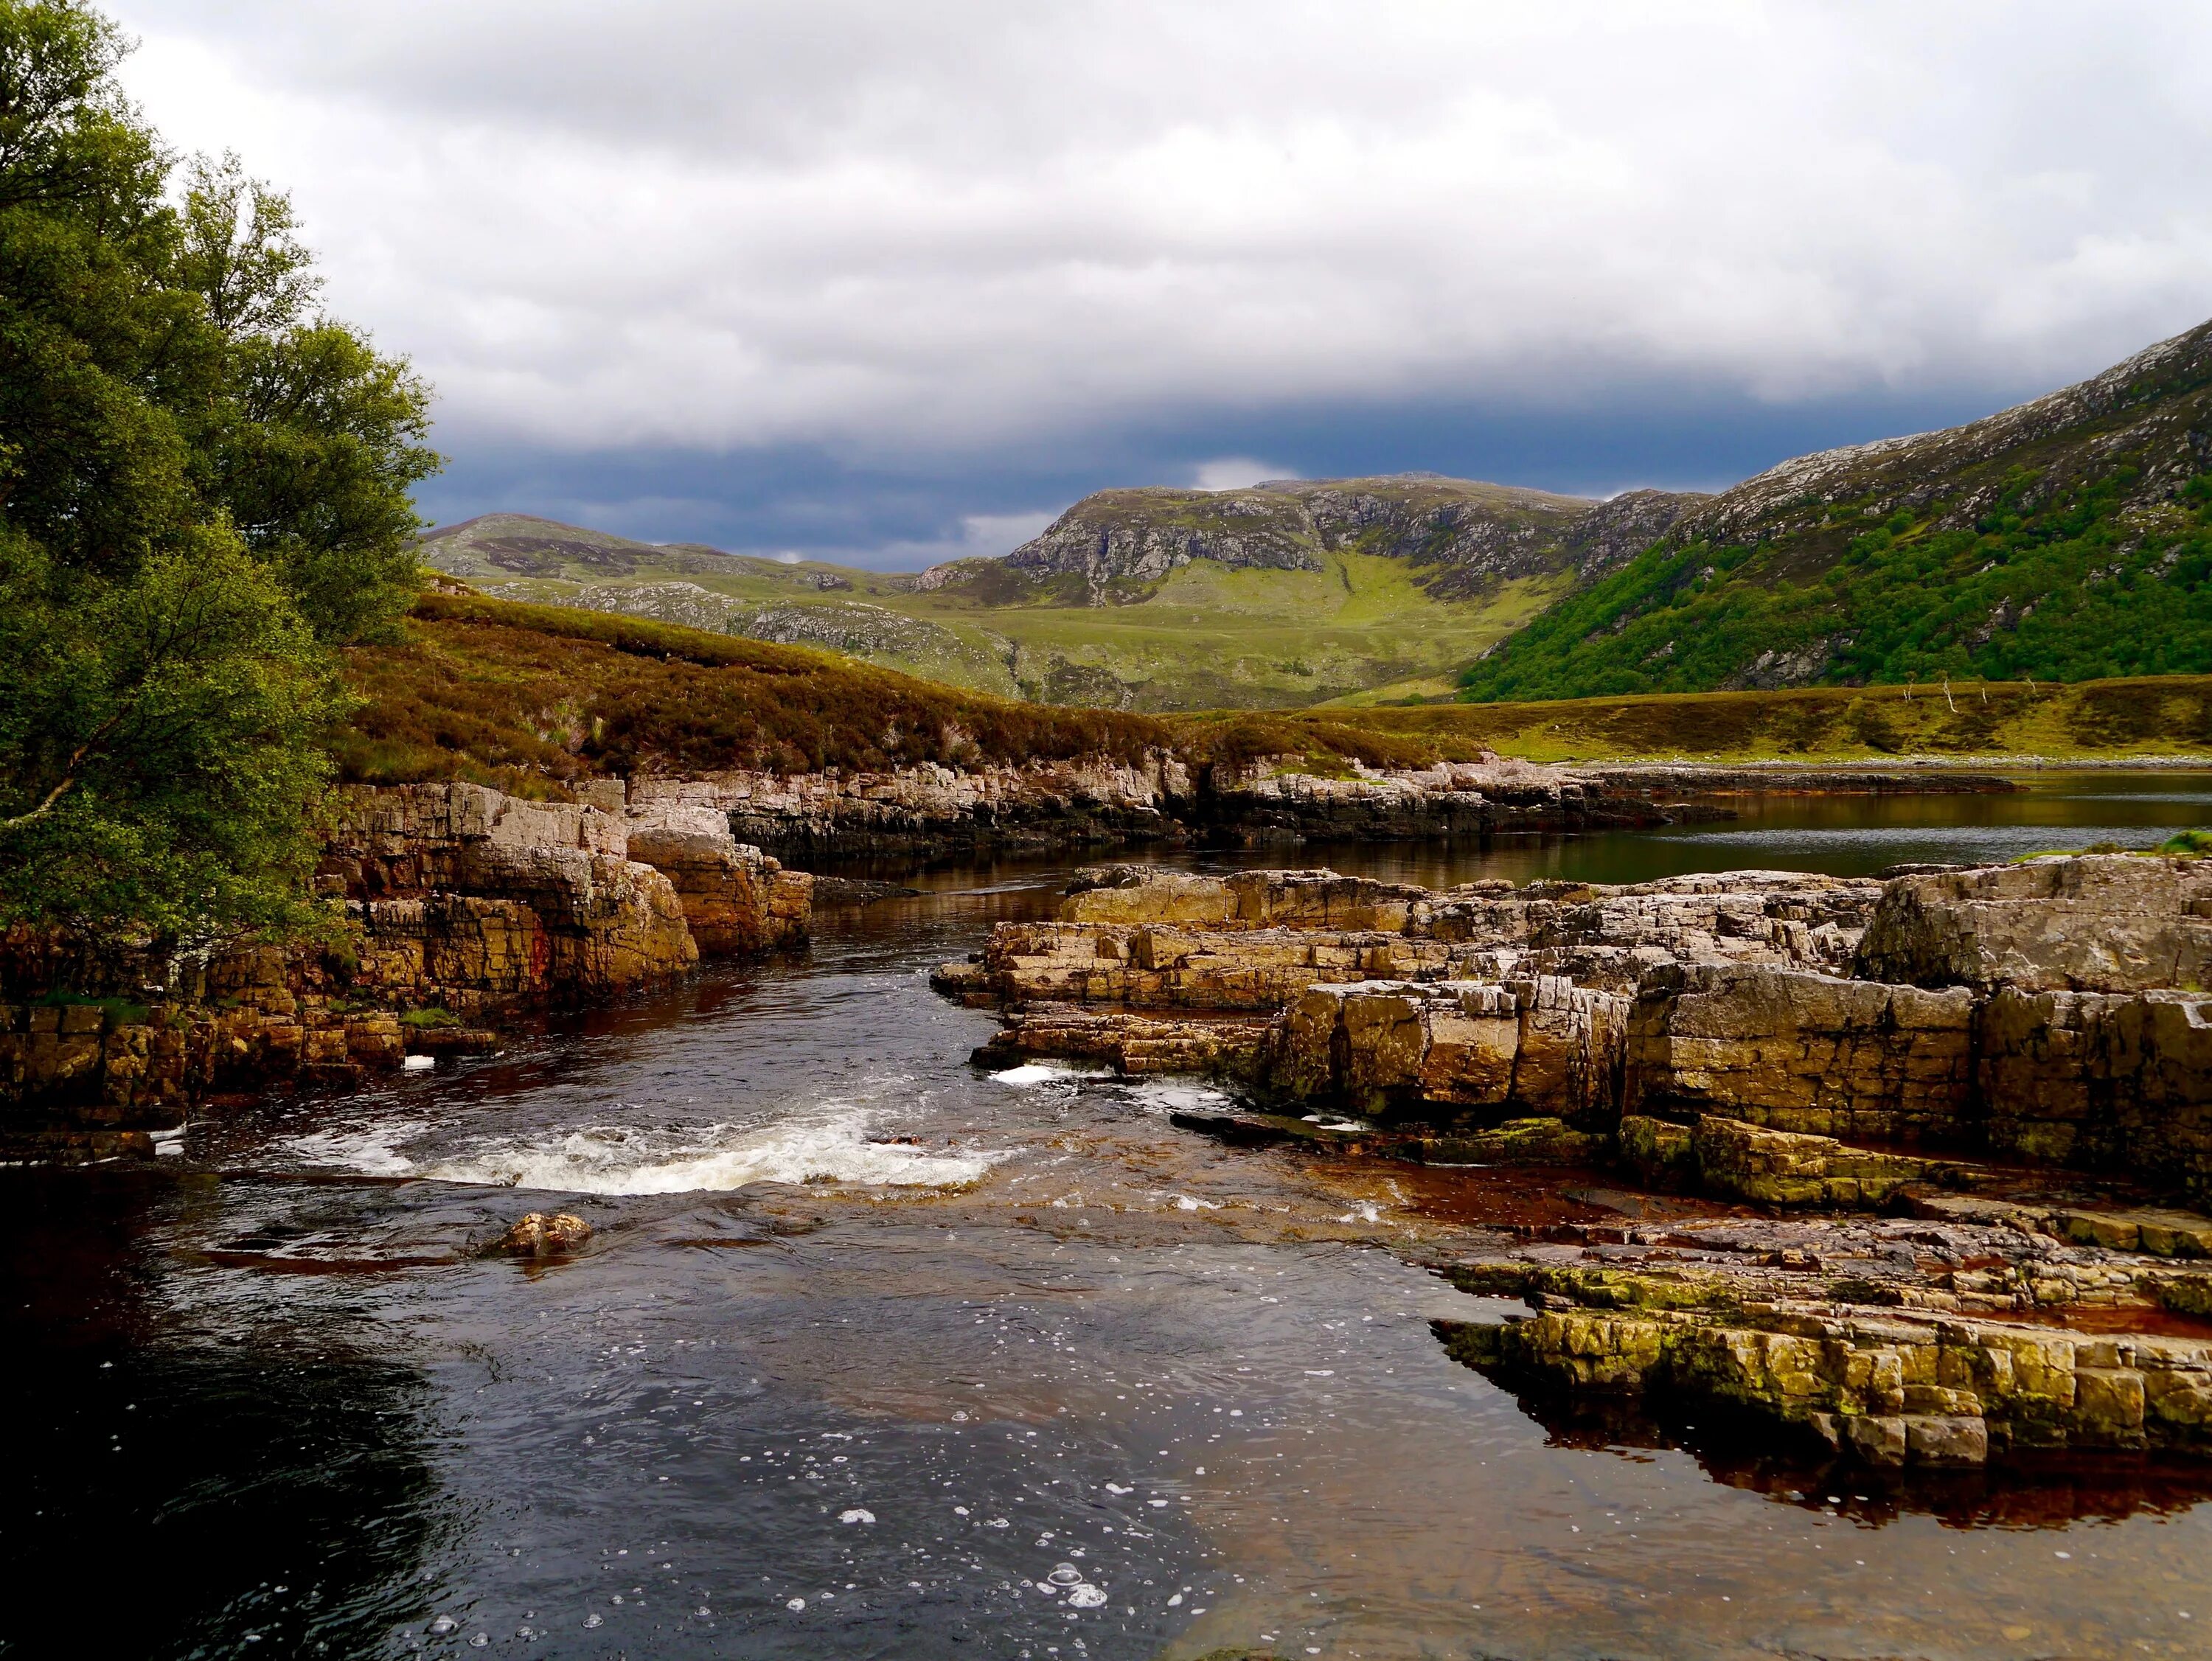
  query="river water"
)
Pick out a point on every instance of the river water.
point(875, 1355)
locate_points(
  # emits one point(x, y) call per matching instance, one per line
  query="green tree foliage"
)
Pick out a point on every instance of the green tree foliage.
point(203, 489)
point(2074, 588)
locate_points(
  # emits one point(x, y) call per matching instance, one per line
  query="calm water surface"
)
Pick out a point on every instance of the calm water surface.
point(874, 1355)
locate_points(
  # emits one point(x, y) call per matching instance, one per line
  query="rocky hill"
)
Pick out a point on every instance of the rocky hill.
point(2066, 539)
point(1462, 536)
point(1372, 588)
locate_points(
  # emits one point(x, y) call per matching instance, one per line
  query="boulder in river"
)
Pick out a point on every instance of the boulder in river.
point(538, 1235)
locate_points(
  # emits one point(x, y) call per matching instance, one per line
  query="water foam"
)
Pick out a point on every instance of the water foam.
point(1171, 1095)
point(1039, 1072)
point(619, 1159)
point(371, 1150)
point(612, 1159)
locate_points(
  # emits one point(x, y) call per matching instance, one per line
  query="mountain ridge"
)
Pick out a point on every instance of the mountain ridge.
point(2067, 537)
point(1464, 536)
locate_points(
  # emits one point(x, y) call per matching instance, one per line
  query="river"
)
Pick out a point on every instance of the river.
point(875, 1355)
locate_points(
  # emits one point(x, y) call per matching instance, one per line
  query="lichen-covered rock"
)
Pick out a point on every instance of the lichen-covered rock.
point(2098, 922)
point(1246, 900)
point(1800, 1051)
point(1539, 1141)
point(1172, 967)
point(1784, 1168)
point(1888, 1388)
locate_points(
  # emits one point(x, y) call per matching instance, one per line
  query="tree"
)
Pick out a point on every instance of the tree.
point(203, 488)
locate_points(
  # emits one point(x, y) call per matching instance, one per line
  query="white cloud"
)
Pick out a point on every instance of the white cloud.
point(1235, 472)
point(901, 229)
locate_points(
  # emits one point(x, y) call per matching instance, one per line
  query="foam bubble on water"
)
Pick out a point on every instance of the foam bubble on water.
point(1033, 1073)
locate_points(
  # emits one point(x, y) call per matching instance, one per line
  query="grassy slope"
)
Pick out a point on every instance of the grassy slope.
point(2165, 715)
point(2110, 595)
point(2062, 540)
point(1206, 636)
point(532, 698)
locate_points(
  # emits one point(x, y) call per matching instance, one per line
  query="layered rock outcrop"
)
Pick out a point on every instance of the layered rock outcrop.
point(1800, 1051)
point(475, 901)
point(461, 907)
point(1745, 998)
point(934, 809)
point(927, 809)
point(735, 898)
point(1957, 1337)
point(2111, 923)
point(1887, 1389)
point(1539, 1044)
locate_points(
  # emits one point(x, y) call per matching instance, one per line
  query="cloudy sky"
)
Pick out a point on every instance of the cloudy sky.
point(884, 280)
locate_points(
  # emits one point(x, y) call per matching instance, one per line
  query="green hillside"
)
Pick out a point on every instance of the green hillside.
point(2068, 539)
point(1201, 633)
point(536, 699)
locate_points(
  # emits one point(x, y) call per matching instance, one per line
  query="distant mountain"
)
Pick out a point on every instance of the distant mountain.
point(1463, 537)
point(500, 547)
point(2068, 538)
point(1282, 597)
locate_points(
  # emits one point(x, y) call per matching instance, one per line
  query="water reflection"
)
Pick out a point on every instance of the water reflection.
point(264, 1486)
point(2048, 1491)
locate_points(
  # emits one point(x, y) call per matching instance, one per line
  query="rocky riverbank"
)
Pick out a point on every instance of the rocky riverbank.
point(930, 811)
point(456, 909)
point(1959, 1113)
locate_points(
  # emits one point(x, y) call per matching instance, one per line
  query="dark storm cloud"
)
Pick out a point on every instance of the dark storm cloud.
point(860, 274)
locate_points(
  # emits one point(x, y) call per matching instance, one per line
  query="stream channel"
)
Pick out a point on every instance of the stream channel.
point(875, 1355)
